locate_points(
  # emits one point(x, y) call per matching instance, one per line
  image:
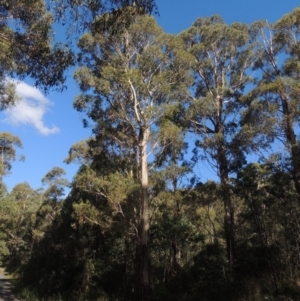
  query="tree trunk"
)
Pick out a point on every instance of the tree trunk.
point(143, 280)
point(229, 210)
point(223, 169)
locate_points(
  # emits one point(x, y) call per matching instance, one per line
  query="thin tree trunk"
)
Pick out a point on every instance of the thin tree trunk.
point(229, 211)
point(144, 285)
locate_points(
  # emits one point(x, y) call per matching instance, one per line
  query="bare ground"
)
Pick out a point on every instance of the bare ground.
point(5, 288)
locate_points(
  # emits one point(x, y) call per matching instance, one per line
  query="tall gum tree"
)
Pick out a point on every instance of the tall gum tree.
point(222, 56)
point(275, 99)
point(130, 80)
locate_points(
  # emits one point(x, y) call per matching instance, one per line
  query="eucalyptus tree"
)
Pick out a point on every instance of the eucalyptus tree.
point(56, 183)
point(270, 221)
point(8, 144)
point(18, 213)
point(52, 199)
point(26, 40)
point(129, 81)
point(222, 56)
point(274, 102)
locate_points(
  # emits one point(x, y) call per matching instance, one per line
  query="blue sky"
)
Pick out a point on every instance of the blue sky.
point(48, 125)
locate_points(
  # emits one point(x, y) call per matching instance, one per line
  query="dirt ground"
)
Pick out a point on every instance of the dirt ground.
point(5, 288)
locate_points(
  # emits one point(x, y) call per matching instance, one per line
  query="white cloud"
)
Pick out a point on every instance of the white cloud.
point(30, 110)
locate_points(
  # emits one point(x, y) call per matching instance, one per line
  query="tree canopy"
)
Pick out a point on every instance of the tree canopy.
point(139, 222)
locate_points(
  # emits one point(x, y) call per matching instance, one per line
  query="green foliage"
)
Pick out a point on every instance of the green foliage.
point(55, 183)
point(8, 143)
point(18, 216)
point(26, 37)
point(116, 14)
point(222, 57)
point(143, 91)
